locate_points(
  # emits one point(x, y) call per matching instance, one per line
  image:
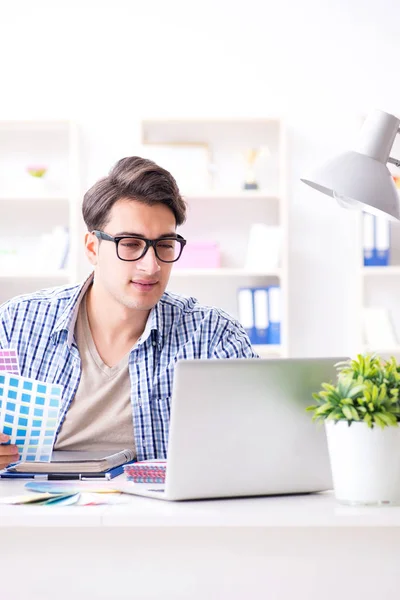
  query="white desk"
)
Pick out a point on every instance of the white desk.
point(280, 548)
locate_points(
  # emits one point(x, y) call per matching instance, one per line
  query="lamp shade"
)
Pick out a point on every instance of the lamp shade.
point(360, 178)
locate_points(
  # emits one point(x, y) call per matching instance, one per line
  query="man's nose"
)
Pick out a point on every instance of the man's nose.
point(149, 262)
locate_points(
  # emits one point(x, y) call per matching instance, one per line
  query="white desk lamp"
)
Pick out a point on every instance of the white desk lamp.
point(360, 178)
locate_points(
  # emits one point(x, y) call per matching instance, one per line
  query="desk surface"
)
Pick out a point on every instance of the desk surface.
point(314, 510)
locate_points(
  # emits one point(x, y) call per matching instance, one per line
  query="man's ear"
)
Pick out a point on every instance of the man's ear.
point(91, 247)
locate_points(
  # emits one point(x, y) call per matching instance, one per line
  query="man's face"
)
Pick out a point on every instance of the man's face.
point(138, 284)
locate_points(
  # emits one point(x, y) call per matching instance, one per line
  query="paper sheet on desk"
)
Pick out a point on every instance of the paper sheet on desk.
point(58, 487)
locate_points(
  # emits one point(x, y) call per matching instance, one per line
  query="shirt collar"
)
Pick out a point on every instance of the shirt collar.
point(67, 320)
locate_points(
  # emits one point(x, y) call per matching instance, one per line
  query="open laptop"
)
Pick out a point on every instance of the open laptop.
point(239, 428)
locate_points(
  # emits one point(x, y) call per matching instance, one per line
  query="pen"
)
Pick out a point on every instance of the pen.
point(56, 476)
point(39, 476)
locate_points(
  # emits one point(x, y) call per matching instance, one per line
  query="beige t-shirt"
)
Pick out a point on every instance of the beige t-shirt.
point(100, 415)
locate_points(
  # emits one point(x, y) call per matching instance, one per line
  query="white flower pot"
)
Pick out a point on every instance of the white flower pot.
point(365, 462)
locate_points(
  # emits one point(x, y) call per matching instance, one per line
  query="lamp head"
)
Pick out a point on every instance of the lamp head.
point(359, 179)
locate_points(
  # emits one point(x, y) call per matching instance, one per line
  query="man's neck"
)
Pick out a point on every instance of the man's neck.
point(110, 322)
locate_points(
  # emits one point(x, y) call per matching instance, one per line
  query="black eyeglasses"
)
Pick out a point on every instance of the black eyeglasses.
point(167, 249)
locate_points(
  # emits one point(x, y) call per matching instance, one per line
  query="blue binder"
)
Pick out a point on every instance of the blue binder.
point(246, 312)
point(261, 318)
point(382, 241)
point(376, 241)
point(368, 239)
point(275, 310)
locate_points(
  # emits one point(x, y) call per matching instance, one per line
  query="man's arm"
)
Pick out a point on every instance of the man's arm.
point(234, 343)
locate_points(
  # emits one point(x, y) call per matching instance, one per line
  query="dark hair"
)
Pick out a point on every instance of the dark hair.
point(133, 178)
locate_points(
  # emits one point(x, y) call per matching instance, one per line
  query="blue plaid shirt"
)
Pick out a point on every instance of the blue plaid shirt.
point(40, 326)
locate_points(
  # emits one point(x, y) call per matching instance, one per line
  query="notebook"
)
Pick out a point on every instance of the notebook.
point(75, 462)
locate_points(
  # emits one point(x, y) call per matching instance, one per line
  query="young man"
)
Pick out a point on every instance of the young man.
point(113, 341)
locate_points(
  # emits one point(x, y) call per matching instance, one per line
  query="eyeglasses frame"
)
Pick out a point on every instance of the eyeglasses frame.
point(102, 235)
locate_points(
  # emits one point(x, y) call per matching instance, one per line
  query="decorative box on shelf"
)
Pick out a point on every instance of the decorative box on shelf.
point(200, 255)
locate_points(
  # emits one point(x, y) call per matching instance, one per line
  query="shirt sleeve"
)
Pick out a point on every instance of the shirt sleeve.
point(5, 326)
point(234, 343)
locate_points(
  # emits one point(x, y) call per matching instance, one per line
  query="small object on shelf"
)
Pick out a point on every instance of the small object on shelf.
point(263, 250)
point(52, 251)
point(37, 170)
point(251, 156)
point(200, 255)
point(36, 183)
point(250, 182)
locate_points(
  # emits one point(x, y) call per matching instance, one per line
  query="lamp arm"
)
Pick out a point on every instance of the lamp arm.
point(394, 161)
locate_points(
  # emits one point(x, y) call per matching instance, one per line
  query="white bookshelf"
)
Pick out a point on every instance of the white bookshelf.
point(220, 210)
point(379, 286)
point(31, 208)
point(389, 271)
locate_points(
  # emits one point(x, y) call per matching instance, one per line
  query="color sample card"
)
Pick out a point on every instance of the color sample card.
point(9, 361)
point(29, 412)
point(41, 499)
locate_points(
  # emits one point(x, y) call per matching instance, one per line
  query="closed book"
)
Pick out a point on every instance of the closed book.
point(63, 461)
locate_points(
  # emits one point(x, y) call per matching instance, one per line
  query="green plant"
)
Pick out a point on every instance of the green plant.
point(367, 390)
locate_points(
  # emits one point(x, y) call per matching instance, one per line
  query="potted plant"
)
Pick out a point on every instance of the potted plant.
point(361, 413)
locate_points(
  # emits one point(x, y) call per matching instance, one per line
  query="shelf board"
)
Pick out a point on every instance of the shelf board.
point(389, 270)
point(393, 350)
point(267, 350)
point(224, 272)
point(230, 195)
point(13, 125)
point(22, 198)
point(13, 275)
point(233, 120)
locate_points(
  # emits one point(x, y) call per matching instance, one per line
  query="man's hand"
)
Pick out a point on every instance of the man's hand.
point(8, 452)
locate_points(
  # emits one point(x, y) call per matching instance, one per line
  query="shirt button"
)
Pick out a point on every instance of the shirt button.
point(154, 344)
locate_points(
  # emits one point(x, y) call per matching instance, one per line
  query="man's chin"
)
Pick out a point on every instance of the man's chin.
point(138, 303)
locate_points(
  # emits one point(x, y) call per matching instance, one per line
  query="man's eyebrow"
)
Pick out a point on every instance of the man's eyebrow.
point(132, 234)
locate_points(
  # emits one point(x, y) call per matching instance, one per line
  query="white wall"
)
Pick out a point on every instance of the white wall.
point(320, 63)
